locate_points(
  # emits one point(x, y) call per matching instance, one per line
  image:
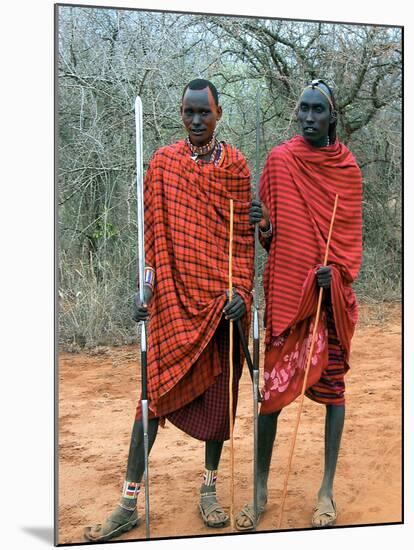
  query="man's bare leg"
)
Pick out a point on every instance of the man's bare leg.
point(124, 517)
point(213, 514)
point(267, 428)
point(325, 513)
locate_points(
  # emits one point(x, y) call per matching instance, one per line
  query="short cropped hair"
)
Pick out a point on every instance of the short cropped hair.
point(201, 84)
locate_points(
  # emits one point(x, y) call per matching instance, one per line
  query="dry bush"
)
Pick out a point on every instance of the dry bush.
point(106, 57)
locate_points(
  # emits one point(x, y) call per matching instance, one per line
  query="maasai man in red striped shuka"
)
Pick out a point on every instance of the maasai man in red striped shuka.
point(297, 192)
point(187, 192)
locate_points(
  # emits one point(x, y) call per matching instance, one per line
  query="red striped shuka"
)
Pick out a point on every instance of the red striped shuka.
point(298, 186)
point(187, 222)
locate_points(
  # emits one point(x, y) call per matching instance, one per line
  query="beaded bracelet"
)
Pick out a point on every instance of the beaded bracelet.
point(268, 232)
point(149, 277)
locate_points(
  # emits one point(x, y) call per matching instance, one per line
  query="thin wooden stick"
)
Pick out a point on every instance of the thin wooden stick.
point(305, 379)
point(231, 421)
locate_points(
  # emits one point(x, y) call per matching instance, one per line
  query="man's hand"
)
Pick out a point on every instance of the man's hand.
point(236, 308)
point(258, 213)
point(140, 312)
point(324, 276)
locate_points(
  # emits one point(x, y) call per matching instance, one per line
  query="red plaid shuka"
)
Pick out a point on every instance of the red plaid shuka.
point(187, 219)
point(298, 185)
point(207, 416)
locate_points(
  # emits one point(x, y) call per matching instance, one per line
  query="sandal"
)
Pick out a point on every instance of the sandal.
point(207, 510)
point(113, 527)
point(248, 512)
point(324, 510)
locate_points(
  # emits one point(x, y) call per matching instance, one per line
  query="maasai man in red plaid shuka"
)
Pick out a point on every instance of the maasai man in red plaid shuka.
point(297, 190)
point(187, 192)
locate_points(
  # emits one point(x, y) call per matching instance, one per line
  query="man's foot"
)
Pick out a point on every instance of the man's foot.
point(324, 513)
point(212, 513)
point(245, 520)
point(120, 521)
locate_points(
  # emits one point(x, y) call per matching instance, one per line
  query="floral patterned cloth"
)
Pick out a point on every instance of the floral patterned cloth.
point(285, 363)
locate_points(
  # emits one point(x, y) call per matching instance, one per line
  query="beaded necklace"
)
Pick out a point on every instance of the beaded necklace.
point(213, 147)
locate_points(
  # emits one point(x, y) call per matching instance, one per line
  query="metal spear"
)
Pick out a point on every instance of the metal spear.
point(142, 328)
point(256, 328)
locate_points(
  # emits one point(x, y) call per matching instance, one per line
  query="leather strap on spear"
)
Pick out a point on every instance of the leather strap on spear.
point(231, 419)
point(252, 364)
point(308, 362)
point(142, 325)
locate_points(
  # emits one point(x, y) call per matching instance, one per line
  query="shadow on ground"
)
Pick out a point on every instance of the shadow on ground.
point(42, 533)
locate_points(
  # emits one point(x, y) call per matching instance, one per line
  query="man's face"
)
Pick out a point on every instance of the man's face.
point(314, 116)
point(199, 114)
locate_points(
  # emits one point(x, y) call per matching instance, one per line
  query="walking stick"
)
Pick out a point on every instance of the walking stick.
point(142, 325)
point(305, 379)
point(231, 370)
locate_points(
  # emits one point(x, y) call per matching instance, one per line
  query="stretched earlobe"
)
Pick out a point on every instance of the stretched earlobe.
point(334, 116)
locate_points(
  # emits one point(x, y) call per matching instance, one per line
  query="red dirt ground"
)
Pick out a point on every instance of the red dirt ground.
point(97, 399)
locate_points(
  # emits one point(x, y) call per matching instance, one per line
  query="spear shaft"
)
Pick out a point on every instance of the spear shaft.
point(142, 328)
point(256, 327)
